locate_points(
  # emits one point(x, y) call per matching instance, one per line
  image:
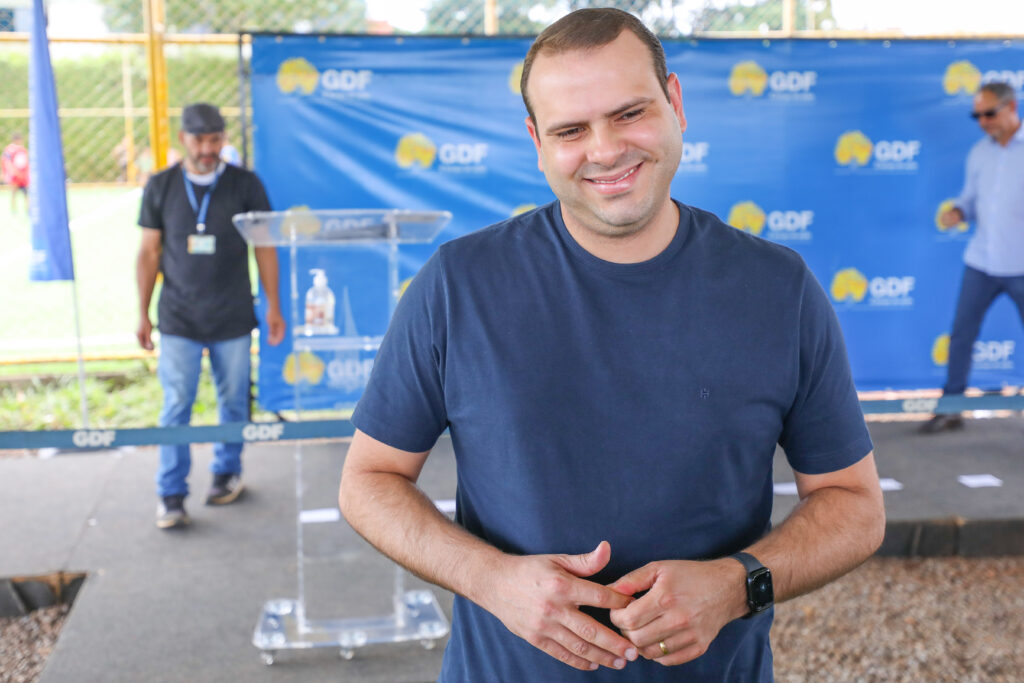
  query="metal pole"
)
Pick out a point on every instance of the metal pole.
point(159, 129)
point(130, 171)
point(243, 118)
point(490, 17)
point(81, 357)
point(788, 18)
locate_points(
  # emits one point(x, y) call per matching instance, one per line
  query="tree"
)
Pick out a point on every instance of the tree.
point(467, 16)
point(810, 14)
point(232, 16)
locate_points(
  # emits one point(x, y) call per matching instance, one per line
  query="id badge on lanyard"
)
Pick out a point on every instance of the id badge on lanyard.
point(200, 243)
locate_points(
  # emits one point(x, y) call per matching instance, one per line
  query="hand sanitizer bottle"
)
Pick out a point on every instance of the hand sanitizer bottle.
point(319, 306)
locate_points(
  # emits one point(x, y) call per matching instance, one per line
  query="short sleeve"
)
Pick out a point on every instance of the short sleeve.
point(404, 404)
point(824, 429)
point(256, 195)
point(150, 215)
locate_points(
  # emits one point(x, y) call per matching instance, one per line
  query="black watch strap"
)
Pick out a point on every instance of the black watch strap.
point(749, 562)
point(760, 595)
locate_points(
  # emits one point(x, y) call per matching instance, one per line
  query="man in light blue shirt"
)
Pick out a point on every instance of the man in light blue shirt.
point(993, 199)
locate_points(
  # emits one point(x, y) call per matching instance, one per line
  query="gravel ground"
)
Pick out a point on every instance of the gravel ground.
point(26, 642)
point(893, 619)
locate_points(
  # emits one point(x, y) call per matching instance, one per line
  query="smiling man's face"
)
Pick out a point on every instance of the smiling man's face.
point(607, 138)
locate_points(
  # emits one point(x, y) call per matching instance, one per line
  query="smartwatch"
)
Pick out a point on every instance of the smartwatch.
point(760, 594)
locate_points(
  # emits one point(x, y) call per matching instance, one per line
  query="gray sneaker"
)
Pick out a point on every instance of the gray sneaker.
point(171, 512)
point(226, 489)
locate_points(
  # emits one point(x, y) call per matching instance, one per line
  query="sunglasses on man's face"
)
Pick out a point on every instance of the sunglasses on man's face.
point(987, 114)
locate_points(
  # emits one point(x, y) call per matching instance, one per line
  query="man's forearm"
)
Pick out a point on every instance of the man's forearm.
point(397, 518)
point(146, 267)
point(829, 533)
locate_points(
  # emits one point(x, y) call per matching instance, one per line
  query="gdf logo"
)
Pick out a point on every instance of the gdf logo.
point(747, 77)
point(961, 76)
point(790, 221)
point(262, 431)
point(415, 149)
point(463, 153)
point(849, 284)
point(515, 78)
point(346, 80)
point(93, 438)
point(940, 350)
point(521, 209)
point(349, 373)
point(920, 405)
point(694, 152)
point(944, 206)
point(993, 352)
point(892, 287)
point(897, 151)
point(1014, 78)
point(853, 148)
point(792, 81)
point(297, 75)
point(747, 216)
point(299, 220)
point(751, 77)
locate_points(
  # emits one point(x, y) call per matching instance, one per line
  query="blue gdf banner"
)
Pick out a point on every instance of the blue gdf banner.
point(845, 151)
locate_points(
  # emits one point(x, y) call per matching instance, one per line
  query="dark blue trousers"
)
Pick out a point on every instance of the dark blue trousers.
point(977, 292)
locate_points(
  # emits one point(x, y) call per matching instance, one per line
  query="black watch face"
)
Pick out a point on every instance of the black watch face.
point(759, 590)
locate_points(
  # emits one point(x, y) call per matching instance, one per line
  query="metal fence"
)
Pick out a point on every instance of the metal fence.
point(108, 66)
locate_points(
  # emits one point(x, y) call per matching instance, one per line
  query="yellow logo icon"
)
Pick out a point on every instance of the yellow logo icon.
point(748, 76)
point(853, 147)
point(747, 216)
point(303, 366)
point(522, 208)
point(297, 74)
point(415, 149)
point(299, 220)
point(849, 283)
point(940, 350)
point(961, 76)
point(404, 286)
point(515, 78)
point(943, 208)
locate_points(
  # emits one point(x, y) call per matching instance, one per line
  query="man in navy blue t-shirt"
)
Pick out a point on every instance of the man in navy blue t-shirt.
point(615, 369)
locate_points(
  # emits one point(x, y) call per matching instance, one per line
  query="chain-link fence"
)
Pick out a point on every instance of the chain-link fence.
point(99, 53)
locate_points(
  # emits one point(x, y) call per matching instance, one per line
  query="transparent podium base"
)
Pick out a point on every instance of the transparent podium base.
point(417, 617)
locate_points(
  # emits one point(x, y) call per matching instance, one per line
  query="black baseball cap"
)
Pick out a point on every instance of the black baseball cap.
point(201, 118)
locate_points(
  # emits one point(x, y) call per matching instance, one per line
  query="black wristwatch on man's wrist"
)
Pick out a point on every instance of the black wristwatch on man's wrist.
point(760, 594)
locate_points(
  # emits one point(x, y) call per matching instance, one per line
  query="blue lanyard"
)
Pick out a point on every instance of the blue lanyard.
point(200, 209)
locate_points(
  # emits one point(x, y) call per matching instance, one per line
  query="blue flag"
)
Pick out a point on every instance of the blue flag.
point(48, 202)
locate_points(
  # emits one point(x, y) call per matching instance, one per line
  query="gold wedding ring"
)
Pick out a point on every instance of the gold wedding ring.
point(664, 650)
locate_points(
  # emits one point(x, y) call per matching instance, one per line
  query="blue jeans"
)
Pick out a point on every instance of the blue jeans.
point(977, 292)
point(178, 370)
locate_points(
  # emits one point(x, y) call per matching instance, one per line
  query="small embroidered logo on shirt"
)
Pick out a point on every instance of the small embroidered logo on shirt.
point(705, 393)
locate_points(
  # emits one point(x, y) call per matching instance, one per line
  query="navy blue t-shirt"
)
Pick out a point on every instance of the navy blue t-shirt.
point(635, 403)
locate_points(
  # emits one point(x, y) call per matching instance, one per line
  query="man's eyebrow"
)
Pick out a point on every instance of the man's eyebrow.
point(610, 115)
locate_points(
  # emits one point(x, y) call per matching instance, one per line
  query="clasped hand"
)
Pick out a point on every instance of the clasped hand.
point(539, 596)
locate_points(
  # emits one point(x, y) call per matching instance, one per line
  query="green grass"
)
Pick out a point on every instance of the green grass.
point(39, 316)
point(38, 323)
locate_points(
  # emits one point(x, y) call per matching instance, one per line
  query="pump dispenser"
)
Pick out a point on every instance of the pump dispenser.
point(319, 306)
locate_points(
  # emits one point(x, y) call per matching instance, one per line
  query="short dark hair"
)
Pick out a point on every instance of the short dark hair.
point(586, 29)
point(1004, 91)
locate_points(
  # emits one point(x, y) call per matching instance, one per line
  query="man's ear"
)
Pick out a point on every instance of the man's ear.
point(531, 127)
point(675, 98)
